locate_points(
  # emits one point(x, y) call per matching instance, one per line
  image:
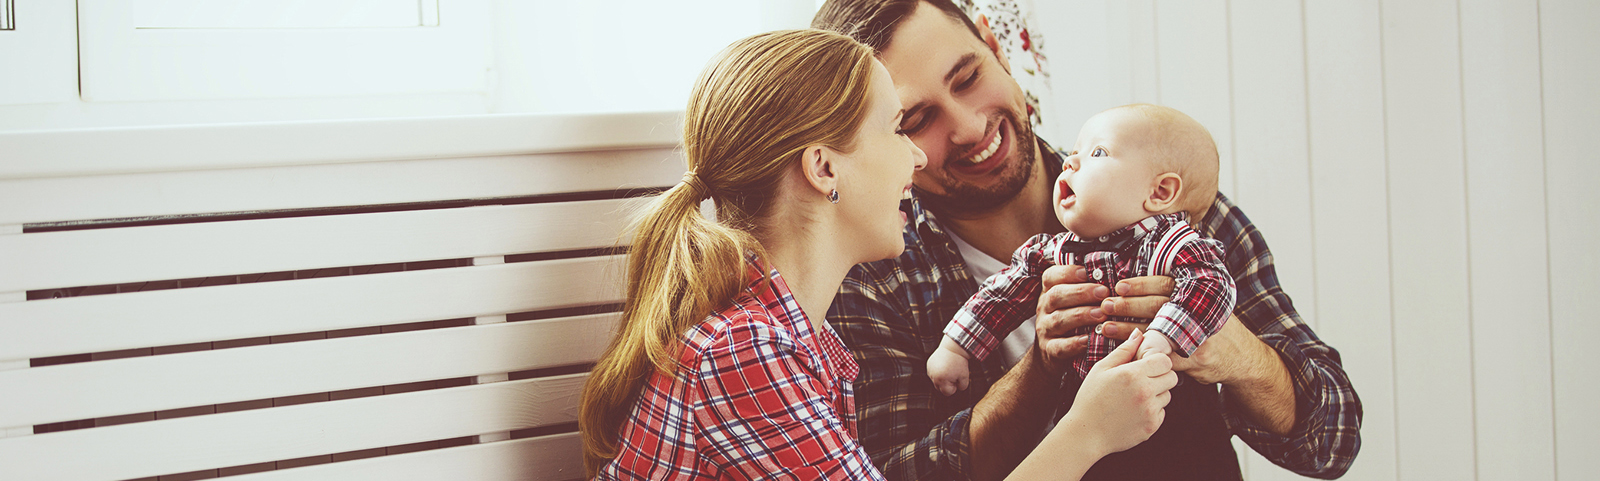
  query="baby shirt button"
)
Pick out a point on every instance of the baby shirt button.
point(1097, 274)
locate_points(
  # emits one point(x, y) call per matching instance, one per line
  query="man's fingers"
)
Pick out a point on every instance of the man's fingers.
point(1142, 307)
point(1119, 330)
point(1180, 363)
point(1063, 296)
point(1066, 347)
point(1059, 323)
point(1056, 275)
point(1145, 286)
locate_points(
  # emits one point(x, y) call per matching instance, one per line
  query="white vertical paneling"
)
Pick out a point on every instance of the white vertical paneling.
point(1344, 73)
point(1506, 239)
point(1192, 41)
point(1076, 31)
point(1119, 21)
point(1076, 95)
point(1143, 51)
point(1570, 48)
point(1269, 99)
point(1424, 173)
point(1273, 187)
point(1433, 333)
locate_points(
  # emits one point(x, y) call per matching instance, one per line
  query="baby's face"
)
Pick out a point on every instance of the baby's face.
point(1106, 178)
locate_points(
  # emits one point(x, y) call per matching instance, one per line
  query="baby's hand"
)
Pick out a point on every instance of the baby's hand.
point(1154, 343)
point(947, 367)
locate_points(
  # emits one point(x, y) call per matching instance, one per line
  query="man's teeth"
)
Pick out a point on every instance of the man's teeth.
point(982, 156)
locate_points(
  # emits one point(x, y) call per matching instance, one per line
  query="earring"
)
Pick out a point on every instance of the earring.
point(834, 196)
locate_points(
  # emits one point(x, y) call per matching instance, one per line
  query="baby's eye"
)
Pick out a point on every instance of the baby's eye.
point(1098, 152)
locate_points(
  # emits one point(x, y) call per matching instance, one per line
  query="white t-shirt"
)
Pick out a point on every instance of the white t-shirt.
point(981, 266)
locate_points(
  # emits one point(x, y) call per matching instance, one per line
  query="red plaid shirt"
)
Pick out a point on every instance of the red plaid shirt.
point(1202, 296)
point(758, 394)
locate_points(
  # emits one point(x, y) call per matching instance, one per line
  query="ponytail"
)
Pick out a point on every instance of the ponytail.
point(681, 268)
point(751, 114)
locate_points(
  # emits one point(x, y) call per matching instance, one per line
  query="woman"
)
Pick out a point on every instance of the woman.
point(723, 366)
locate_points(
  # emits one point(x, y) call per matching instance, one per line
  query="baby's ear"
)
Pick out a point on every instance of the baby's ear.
point(1165, 193)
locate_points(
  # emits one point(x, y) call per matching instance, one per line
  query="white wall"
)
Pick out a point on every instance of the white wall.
point(113, 63)
point(1421, 170)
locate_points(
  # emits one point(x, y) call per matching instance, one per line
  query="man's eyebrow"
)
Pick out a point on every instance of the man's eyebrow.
point(960, 64)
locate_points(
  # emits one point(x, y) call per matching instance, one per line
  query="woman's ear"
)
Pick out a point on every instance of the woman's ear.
point(1165, 193)
point(987, 35)
point(817, 164)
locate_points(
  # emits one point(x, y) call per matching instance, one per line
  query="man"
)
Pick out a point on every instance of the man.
point(985, 190)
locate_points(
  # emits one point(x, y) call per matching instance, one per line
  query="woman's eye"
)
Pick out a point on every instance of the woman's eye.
point(1098, 152)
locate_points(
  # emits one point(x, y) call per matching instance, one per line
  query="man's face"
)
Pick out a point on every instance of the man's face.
point(964, 110)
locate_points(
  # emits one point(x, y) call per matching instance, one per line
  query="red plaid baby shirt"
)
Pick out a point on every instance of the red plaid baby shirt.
point(1202, 296)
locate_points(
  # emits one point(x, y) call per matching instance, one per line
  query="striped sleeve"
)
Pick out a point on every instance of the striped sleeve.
point(1003, 301)
point(1202, 294)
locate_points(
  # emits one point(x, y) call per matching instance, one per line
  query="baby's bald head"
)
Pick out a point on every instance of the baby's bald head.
point(1179, 144)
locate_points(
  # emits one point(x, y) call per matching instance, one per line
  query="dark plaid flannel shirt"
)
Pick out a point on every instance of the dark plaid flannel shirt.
point(892, 314)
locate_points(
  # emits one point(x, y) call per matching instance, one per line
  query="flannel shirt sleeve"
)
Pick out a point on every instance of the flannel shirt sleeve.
point(900, 421)
point(1326, 435)
point(766, 415)
point(1202, 296)
point(1004, 301)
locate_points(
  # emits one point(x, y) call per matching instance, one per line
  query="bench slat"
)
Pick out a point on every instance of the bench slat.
point(134, 254)
point(171, 148)
point(57, 199)
point(66, 392)
point(76, 325)
point(248, 437)
point(557, 457)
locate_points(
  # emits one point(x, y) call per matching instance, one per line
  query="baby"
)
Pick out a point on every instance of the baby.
point(1136, 175)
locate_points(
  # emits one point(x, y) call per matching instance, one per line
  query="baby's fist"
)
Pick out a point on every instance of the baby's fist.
point(1154, 343)
point(948, 369)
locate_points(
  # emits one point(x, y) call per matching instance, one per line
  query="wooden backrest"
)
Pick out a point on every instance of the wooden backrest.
point(388, 299)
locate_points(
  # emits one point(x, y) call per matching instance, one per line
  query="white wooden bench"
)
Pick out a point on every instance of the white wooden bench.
point(380, 299)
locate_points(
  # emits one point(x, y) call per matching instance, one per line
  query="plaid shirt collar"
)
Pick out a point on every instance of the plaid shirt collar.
point(790, 316)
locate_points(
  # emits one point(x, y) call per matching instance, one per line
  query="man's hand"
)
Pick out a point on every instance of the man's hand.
point(1069, 301)
point(1230, 356)
point(1249, 369)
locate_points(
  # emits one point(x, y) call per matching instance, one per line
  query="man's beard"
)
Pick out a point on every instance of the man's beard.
point(964, 200)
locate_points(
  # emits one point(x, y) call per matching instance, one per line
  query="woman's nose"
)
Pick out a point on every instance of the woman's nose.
point(919, 159)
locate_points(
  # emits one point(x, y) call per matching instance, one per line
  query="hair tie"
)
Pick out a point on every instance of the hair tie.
point(698, 187)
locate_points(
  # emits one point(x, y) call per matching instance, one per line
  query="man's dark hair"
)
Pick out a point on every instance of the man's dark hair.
point(873, 22)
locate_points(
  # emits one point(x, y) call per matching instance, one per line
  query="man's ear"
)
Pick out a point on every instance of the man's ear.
point(817, 164)
point(1165, 193)
point(987, 35)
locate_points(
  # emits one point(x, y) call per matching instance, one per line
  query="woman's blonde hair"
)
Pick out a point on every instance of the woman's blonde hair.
point(751, 115)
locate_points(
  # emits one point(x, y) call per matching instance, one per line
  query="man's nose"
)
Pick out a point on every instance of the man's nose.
point(970, 126)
